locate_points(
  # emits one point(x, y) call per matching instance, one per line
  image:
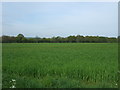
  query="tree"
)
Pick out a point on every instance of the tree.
point(37, 39)
point(20, 38)
point(79, 38)
point(71, 39)
point(8, 39)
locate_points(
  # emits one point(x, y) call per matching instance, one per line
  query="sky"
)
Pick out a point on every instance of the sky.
point(48, 19)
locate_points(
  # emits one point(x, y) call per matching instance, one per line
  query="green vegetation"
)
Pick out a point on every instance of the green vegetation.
point(60, 65)
point(70, 39)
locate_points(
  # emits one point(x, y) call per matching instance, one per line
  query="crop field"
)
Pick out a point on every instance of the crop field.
point(60, 65)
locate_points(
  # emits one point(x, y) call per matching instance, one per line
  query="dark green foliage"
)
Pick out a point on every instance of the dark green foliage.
point(70, 39)
point(20, 38)
point(8, 39)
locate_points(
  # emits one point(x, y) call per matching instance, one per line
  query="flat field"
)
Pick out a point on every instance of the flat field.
point(60, 65)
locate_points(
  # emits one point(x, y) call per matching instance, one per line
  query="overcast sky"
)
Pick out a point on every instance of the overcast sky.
point(48, 19)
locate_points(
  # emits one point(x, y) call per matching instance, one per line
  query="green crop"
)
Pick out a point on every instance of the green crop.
point(60, 65)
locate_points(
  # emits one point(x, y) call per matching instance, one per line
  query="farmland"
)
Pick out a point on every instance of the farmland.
point(60, 65)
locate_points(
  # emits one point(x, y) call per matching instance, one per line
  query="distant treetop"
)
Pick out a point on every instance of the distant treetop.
point(20, 35)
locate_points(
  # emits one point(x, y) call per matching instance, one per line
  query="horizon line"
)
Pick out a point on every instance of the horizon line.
point(63, 36)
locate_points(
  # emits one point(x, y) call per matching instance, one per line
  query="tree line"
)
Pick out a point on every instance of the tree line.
point(70, 39)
